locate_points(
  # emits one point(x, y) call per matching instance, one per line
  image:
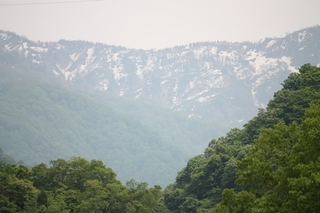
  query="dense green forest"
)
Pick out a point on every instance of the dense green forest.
point(74, 185)
point(271, 165)
point(40, 121)
point(189, 134)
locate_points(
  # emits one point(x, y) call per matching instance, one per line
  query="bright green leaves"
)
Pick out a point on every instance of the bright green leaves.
point(74, 185)
point(82, 186)
point(268, 156)
point(200, 184)
point(282, 171)
point(143, 199)
point(280, 174)
point(17, 193)
point(97, 197)
point(308, 76)
point(299, 90)
point(238, 203)
point(288, 104)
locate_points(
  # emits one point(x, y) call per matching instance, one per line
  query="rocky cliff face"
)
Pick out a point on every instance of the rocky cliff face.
point(217, 81)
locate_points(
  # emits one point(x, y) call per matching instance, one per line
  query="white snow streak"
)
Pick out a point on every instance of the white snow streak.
point(270, 43)
point(39, 49)
point(103, 85)
point(301, 36)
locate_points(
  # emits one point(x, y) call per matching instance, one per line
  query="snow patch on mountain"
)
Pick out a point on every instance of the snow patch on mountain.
point(56, 73)
point(287, 65)
point(271, 43)
point(39, 49)
point(103, 85)
point(197, 78)
point(74, 57)
point(25, 45)
point(228, 58)
point(301, 36)
point(4, 36)
point(67, 74)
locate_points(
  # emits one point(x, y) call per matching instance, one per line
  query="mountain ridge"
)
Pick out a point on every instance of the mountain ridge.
point(201, 79)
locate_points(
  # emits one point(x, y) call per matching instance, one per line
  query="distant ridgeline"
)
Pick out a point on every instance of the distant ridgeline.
point(220, 82)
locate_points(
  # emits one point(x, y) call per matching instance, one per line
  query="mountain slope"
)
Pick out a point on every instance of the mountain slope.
point(41, 122)
point(217, 81)
point(241, 159)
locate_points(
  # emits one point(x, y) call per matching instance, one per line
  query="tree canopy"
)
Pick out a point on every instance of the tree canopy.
point(271, 165)
point(74, 185)
point(281, 174)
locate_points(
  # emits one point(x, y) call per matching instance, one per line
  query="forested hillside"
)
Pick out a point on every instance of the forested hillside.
point(41, 122)
point(271, 165)
point(44, 121)
point(190, 134)
point(6, 158)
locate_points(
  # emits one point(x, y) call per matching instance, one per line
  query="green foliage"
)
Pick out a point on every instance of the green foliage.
point(40, 122)
point(282, 172)
point(74, 185)
point(189, 134)
point(274, 159)
point(299, 90)
point(200, 184)
point(144, 199)
point(17, 194)
point(6, 158)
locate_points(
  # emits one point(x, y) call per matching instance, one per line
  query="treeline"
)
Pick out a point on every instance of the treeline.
point(74, 185)
point(271, 165)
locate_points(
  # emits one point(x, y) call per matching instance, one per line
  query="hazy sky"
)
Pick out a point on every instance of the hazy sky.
point(157, 24)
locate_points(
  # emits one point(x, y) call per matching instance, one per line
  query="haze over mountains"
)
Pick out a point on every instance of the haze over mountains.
point(218, 85)
point(218, 81)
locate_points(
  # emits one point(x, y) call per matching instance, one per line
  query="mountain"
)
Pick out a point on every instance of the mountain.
point(221, 82)
point(41, 122)
point(178, 97)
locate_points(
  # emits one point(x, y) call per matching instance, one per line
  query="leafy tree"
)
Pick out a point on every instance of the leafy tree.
point(17, 194)
point(143, 199)
point(299, 90)
point(282, 172)
point(200, 184)
point(268, 179)
point(75, 185)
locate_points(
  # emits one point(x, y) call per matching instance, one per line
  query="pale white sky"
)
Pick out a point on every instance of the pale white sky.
point(157, 24)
